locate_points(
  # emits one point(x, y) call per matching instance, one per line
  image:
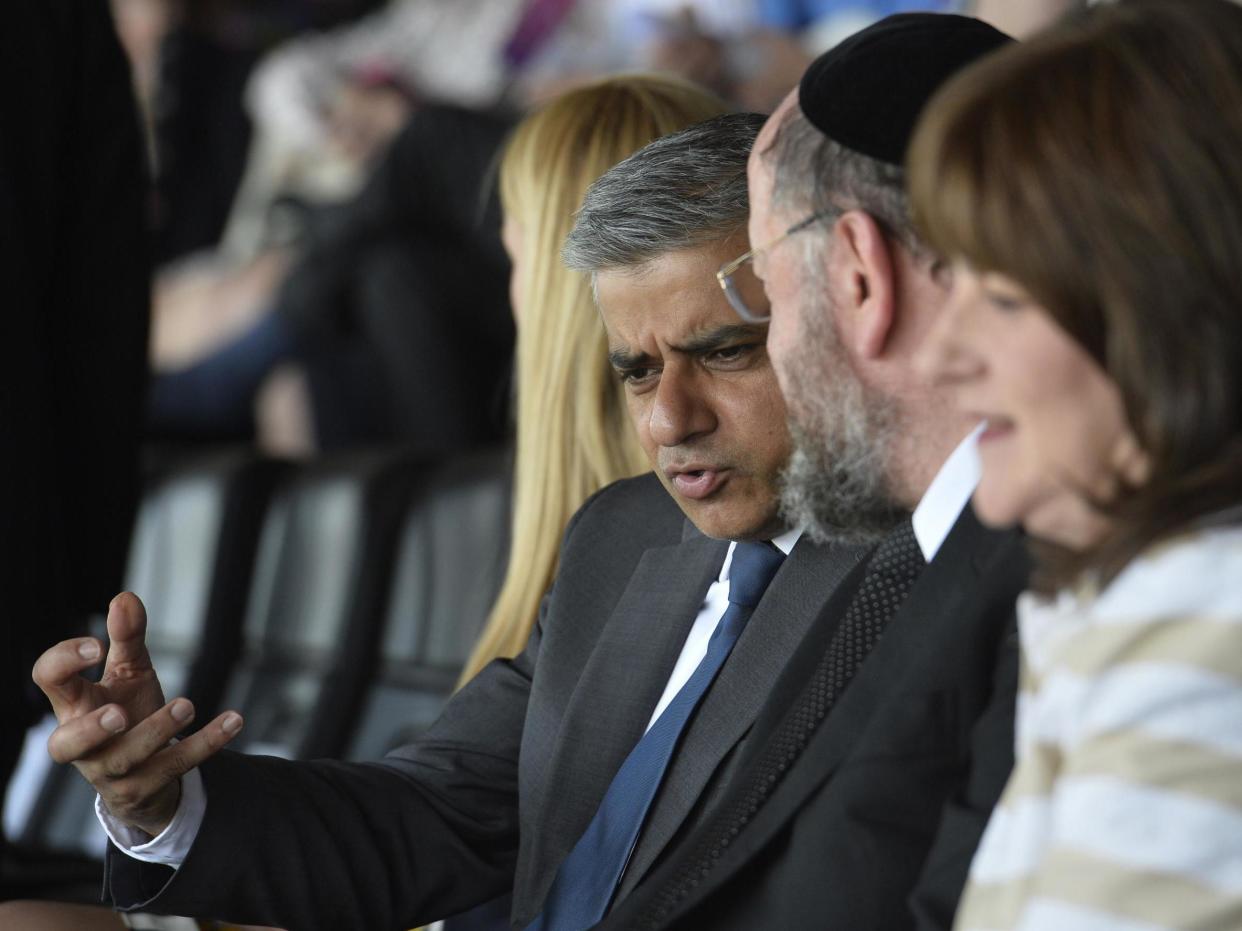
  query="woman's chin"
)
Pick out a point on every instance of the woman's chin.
point(995, 510)
point(1067, 521)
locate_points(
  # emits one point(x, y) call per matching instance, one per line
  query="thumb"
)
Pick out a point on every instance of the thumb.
point(127, 631)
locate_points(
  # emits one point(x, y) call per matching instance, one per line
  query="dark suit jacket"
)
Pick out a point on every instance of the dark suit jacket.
point(887, 801)
point(497, 792)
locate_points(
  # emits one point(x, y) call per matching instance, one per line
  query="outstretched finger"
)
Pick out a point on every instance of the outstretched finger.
point(57, 672)
point(146, 796)
point(143, 741)
point(177, 760)
point(80, 737)
point(127, 631)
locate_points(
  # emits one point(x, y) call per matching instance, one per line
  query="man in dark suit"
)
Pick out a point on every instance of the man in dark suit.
point(861, 807)
point(509, 788)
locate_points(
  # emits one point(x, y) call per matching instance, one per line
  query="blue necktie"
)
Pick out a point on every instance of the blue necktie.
point(586, 880)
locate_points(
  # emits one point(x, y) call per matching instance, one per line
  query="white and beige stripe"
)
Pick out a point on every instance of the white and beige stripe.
point(1124, 811)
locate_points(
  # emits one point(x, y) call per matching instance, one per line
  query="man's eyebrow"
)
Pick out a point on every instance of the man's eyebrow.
point(708, 340)
point(622, 359)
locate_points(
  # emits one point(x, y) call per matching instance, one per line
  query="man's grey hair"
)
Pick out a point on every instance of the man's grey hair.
point(812, 173)
point(683, 190)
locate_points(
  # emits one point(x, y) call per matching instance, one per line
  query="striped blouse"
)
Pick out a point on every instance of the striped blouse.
point(1124, 809)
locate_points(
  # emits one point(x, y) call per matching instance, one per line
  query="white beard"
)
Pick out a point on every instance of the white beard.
point(835, 485)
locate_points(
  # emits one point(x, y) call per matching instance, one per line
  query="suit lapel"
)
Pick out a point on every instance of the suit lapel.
point(803, 583)
point(952, 579)
point(623, 679)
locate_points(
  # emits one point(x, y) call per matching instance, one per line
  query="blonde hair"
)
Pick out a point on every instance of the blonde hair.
point(573, 431)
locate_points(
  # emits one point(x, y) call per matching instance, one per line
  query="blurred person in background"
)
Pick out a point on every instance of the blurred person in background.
point(190, 60)
point(1023, 18)
point(573, 431)
point(343, 96)
point(1087, 188)
point(340, 93)
point(395, 309)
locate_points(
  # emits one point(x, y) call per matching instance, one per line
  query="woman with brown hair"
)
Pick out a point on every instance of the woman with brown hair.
point(1086, 187)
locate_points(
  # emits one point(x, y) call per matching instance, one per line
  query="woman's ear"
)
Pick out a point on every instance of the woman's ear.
point(864, 273)
point(1130, 461)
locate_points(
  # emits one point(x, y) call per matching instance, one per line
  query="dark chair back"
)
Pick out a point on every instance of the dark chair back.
point(321, 583)
point(450, 562)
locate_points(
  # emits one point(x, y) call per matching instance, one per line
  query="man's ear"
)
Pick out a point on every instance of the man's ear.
point(864, 273)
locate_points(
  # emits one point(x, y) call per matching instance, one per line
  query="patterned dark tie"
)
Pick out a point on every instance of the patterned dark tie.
point(585, 883)
point(887, 580)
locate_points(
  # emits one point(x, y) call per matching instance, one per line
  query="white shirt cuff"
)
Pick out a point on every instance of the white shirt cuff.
point(172, 845)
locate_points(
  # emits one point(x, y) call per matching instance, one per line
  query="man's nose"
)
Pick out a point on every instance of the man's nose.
point(681, 410)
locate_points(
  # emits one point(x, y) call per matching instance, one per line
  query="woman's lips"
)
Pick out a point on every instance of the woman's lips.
point(996, 427)
point(698, 483)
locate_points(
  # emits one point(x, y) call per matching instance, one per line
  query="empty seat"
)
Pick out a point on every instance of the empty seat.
point(320, 588)
point(191, 562)
point(450, 562)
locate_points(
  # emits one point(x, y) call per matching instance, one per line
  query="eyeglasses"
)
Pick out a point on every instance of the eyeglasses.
point(728, 282)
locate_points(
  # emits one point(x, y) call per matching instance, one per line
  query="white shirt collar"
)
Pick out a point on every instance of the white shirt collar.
point(947, 495)
point(785, 543)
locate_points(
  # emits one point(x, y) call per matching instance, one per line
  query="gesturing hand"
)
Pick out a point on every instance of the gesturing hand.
point(117, 731)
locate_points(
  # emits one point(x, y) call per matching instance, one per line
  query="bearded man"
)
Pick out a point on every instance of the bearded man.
point(877, 759)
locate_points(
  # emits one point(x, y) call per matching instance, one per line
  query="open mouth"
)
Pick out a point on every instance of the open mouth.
point(698, 483)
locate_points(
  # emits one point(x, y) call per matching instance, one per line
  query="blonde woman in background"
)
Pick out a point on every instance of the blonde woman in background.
point(573, 433)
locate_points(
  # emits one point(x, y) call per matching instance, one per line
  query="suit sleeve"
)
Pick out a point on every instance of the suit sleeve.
point(936, 894)
point(430, 831)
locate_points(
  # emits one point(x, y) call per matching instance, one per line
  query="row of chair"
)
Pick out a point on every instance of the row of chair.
point(332, 604)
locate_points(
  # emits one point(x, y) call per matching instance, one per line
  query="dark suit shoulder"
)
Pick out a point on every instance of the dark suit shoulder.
point(637, 509)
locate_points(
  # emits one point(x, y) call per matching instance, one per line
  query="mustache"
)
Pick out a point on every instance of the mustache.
point(679, 458)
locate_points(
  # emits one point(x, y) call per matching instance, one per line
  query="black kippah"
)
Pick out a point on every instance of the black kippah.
point(867, 92)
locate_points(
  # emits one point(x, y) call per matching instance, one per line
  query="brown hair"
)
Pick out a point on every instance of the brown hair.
point(1100, 166)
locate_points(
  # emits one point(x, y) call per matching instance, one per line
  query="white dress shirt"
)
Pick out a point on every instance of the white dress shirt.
point(714, 606)
point(934, 517)
point(946, 496)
